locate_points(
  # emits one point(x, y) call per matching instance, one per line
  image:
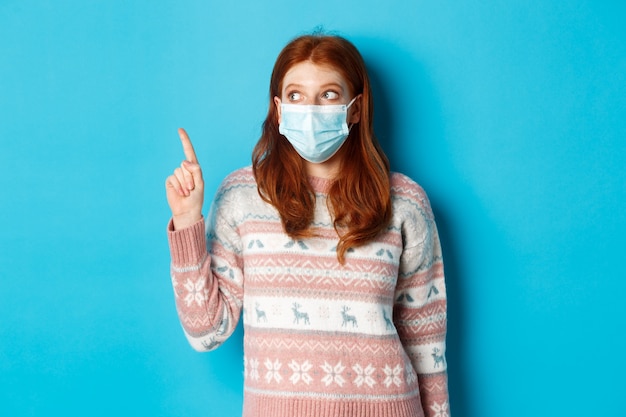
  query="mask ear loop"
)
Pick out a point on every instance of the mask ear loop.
point(348, 106)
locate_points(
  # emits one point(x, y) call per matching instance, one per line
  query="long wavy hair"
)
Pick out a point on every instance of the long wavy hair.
point(359, 198)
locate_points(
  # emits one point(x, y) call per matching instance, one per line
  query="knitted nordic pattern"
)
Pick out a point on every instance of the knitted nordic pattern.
point(320, 339)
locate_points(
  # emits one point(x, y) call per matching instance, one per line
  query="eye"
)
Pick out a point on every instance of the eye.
point(294, 96)
point(330, 95)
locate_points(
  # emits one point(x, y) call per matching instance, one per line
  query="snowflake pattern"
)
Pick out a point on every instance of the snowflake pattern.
point(364, 375)
point(324, 312)
point(300, 372)
point(440, 410)
point(175, 285)
point(195, 292)
point(361, 376)
point(333, 374)
point(409, 372)
point(372, 317)
point(392, 376)
point(254, 369)
point(273, 371)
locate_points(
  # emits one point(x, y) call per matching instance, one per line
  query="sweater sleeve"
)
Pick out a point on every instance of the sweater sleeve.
point(420, 304)
point(206, 272)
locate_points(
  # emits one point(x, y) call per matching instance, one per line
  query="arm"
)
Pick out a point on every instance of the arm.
point(420, 308)
point(208, 297)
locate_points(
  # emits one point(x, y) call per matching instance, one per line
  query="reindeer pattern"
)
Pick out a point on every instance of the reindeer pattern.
point(348, 318)
point(300, 313)
point(261, 316)
point(388, 322)
point(437, 357)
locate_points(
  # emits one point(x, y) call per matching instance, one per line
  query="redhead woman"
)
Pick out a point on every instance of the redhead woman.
point(332, 261)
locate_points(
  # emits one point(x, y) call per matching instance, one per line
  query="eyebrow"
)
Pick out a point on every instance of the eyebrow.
point(324, 86)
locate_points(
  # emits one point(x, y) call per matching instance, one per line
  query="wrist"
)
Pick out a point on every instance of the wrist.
point(185, 220)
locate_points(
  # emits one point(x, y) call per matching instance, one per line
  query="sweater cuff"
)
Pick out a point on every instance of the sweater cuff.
point(188, 245)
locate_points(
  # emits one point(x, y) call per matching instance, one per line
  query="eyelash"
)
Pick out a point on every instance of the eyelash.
point(291, 96)
point(295, 96)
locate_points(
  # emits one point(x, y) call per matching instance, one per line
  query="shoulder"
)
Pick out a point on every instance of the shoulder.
point(236, 198)
point(406, 192)
point(412, 213)
point(236, 188)
point(241, 177)
point(238, 182)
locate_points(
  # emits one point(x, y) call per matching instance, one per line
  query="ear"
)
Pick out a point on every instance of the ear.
point(354, 112)
point(277, 104)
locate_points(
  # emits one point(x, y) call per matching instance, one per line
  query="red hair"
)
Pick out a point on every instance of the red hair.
point(359, 199)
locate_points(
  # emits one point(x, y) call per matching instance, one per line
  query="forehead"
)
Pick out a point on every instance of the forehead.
point(308, 74)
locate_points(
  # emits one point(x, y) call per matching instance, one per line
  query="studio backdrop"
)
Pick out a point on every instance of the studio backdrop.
point(511, 115)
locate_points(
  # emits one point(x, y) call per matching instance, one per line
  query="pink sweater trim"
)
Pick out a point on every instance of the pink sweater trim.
point(320, 185)
point(189, 247)
point(261, 406)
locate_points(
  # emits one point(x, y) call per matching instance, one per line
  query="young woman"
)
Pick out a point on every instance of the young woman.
point(333, 261)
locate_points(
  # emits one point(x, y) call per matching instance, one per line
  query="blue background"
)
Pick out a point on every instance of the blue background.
point(511, 114)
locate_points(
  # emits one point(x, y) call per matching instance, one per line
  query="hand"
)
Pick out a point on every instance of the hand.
point(185, 187)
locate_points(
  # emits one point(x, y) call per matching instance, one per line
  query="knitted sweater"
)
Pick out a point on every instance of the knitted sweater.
point(363, 339)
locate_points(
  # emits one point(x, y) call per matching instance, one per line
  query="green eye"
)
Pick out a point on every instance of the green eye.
point(294, 96)
point(330, 95)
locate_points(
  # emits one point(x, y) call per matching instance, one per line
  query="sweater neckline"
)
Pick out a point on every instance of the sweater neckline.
point(319, 184)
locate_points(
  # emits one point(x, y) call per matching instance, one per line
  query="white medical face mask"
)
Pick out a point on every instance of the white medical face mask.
point(316, 132)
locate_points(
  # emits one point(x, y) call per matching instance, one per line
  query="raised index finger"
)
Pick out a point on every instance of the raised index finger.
point(190, 154)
